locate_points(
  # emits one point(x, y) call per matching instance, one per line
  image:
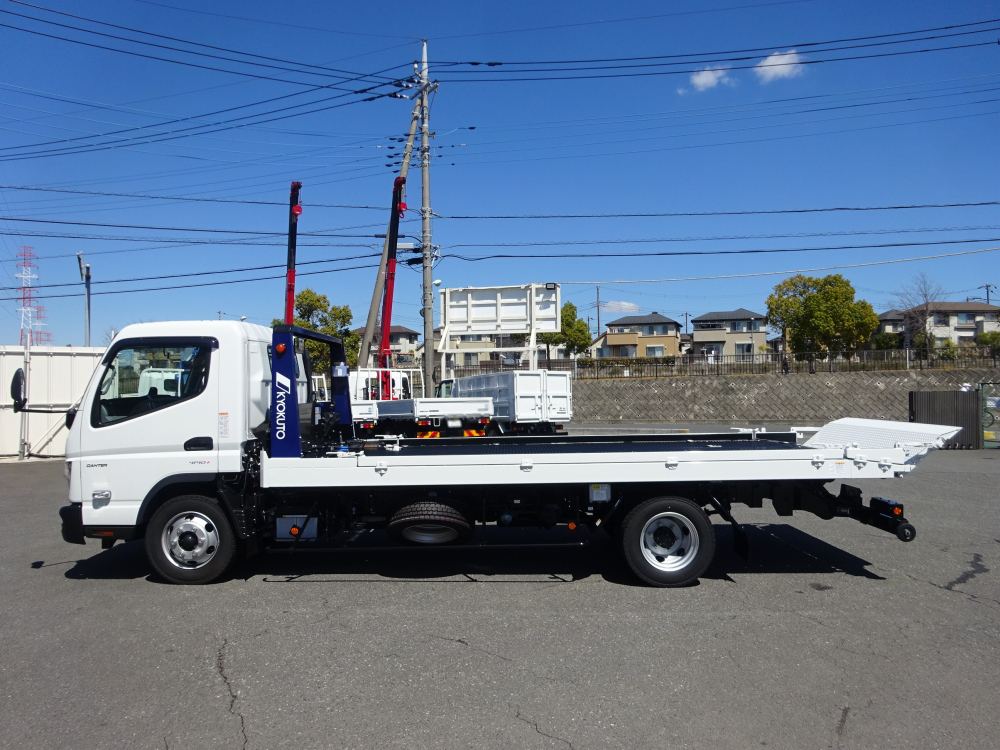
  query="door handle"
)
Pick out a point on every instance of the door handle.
point(199, 444)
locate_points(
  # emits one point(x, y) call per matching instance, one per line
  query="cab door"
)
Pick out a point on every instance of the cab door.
point(132, 441)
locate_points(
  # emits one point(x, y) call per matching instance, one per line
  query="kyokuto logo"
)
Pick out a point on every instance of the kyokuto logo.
point(284, 387)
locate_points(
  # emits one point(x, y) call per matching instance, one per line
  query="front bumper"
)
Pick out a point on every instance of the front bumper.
point(74, 532)
point(72, 523)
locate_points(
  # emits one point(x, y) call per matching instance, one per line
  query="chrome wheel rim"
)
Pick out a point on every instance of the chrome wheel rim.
point(669, 541)
point(429, 533)
point(190, 540)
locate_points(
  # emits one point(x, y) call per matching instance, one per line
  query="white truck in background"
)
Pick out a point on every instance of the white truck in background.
point(408, 413)
point(536, 402)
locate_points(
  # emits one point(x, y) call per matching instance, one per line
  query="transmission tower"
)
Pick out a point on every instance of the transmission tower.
point(26, 273)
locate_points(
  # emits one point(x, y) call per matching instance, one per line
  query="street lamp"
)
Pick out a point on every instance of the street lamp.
point(85, 278)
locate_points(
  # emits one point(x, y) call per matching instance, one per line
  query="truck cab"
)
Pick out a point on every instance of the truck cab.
point(170, 404)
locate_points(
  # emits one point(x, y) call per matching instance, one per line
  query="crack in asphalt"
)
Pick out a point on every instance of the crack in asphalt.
point(469, 645)
point(534, 724)
point(220, 667)
point(976, 568)
point(842, 723)
point(950, 587)
point(507, 659)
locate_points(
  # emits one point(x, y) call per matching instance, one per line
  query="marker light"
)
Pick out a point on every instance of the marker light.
point(280, 348)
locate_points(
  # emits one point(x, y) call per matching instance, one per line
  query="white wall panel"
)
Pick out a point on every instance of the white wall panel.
point(57, 378)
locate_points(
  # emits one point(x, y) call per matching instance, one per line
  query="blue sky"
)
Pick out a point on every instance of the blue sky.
point(722, 135)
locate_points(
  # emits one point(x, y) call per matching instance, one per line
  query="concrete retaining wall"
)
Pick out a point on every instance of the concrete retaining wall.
point(776, 398)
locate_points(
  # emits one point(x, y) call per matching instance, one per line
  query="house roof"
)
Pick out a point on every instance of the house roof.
point(635, 320)
point(891, 315)
point(739, 314)
point(395, 329)
point(958, 307)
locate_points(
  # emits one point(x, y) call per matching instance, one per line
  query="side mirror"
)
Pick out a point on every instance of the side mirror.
point(17, 390)
point(70, 417)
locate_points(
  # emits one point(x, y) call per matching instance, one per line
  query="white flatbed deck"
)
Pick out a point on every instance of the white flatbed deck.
point(882, 449)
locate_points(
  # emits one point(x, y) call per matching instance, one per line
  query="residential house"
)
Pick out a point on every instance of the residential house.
point(402, 340)
point(733, 332)
point(892, 321)
point(958, 322)
point(652, 335)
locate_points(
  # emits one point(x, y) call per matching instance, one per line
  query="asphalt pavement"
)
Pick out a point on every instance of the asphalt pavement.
point(833, 635)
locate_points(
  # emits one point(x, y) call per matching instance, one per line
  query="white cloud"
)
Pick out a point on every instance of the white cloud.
point(682, 91)
point(626, 307)
point(711, 77)
point(779, 65)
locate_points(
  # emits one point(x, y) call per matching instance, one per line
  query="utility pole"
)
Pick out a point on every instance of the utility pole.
point(598, 311)
point(686, 315)
point(85, 278)
point(425, 232)
point(987, 287)
point(364, 354)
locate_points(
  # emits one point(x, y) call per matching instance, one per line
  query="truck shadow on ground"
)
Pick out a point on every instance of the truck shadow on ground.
point(774, 549)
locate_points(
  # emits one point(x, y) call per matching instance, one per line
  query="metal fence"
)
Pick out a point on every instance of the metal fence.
point(495, 366)
point(776, 364)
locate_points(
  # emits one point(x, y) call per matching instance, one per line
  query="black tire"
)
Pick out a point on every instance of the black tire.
point(429, 523)
point(675, 527)
point(210, 531)
point(905, 532)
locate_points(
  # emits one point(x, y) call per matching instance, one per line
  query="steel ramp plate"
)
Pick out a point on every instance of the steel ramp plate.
point(878, 433)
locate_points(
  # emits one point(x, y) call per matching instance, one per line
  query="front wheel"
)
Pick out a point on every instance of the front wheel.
point(667, 541)
point(189, 540)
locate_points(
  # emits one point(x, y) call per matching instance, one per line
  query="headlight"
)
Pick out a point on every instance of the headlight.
point(68, 471)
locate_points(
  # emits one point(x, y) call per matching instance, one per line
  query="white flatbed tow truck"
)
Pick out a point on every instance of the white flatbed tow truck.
point(229, 463)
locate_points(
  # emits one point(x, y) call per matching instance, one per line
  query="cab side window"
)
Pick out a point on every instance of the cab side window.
point(145, 378)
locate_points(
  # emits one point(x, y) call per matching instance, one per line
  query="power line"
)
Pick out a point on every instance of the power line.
point(183, 198)
point(203, 284)
point(578, 283)
point(728, 237)
point(770, 47)
point(686, 71)
point(784, 273)
point(324, 68)
point(684, 253)
point(754, 212)
point(157, 46)
point(178, 229)
point(128, 110)
point(743, 113)
point(174, 135)
point(197, 273)
point(757, 212)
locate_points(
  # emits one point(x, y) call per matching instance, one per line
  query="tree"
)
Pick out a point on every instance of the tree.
point(917, 300)
point(885, 340)
point(991, 342)
point(820, 314)
point(784, 306)
point(314, 312)
point(573, 333)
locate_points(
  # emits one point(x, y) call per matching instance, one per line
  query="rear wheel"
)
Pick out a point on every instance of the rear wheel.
point(667, 541)
point(429, 523)
point(189, 540)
